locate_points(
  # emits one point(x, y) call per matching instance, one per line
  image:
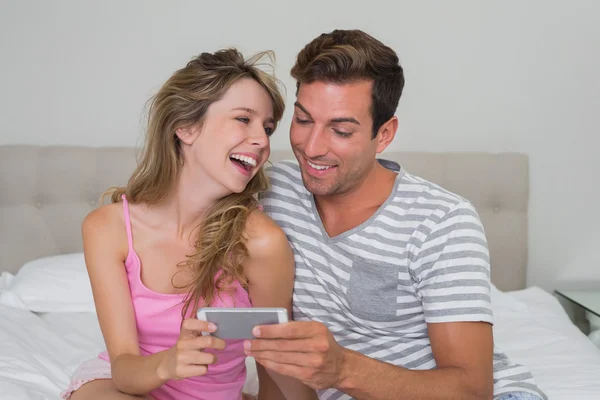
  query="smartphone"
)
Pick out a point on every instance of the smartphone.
point(237, 323)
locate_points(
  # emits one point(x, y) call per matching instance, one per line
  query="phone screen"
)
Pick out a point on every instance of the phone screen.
point(239, 325)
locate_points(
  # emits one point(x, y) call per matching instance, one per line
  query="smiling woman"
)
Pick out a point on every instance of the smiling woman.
point(186, 232)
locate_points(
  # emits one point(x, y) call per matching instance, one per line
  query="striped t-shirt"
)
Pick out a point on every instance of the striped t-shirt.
point(421, 258)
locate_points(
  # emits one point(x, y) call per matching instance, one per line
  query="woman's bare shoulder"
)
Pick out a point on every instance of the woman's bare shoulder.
point(263, 235)
point(105, 217)
point(104, 228)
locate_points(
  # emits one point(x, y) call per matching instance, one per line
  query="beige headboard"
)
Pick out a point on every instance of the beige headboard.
point(46, 191)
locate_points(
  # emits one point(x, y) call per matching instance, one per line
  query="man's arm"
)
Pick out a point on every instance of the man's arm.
point(463, 371)
point(451, 273)
point(308, 352)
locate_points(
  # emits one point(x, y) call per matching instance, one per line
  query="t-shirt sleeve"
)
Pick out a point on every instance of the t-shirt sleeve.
point(451, 268)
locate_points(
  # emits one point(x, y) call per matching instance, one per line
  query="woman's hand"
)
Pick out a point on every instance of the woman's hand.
point(187, 358)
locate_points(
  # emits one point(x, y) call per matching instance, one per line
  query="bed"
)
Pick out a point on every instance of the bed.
point(47, 322)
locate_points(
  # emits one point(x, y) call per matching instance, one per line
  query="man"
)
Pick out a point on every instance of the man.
point(392, 292)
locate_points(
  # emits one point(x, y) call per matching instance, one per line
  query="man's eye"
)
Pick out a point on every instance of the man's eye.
point(342, 134)
point(302, 121)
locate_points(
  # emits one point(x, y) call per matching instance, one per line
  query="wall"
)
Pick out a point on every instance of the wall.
point(482, 76)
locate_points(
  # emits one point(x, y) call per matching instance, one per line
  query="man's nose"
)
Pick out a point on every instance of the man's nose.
point(317, 143)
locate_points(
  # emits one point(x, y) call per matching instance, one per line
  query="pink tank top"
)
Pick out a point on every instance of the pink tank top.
point(158, 319)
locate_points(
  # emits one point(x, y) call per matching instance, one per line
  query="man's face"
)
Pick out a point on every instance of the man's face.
point(331, 136)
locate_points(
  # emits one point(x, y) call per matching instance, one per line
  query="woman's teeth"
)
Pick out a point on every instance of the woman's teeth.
point(245, 159)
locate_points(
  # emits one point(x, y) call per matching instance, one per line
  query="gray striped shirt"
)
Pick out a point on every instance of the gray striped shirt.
point(421, 258)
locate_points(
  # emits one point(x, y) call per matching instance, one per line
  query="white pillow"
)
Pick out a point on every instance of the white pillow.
point(5, 280)
point(51, 284)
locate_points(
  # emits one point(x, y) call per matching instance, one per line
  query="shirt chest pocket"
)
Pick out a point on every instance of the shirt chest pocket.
point(373, 290)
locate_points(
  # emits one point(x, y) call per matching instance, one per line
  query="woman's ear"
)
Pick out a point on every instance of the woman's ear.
point(188, 135)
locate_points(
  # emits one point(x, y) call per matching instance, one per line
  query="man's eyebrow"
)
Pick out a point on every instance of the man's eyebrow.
point(252, 112)
point(345, 119)
point(300, 106)
point(334, 120)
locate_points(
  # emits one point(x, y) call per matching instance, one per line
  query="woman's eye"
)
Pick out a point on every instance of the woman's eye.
point(245, 120)
point(268, 130)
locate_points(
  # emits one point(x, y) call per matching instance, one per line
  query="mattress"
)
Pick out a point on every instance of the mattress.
point(39, 352)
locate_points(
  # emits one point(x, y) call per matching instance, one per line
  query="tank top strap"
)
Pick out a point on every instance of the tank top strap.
point(127, 222)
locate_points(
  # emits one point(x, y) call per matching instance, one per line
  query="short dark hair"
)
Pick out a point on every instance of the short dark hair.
point(346, 56)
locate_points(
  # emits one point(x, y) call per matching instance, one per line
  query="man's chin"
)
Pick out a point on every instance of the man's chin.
point(316, 188)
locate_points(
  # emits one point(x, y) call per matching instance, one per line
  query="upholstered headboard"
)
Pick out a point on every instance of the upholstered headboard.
point(46, 191)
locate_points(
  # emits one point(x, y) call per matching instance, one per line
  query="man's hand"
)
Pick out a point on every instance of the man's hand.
point(306, 351)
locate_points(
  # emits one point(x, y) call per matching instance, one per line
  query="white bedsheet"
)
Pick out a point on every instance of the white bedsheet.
point(39, 353)
point(534, 330)
point(36, 360)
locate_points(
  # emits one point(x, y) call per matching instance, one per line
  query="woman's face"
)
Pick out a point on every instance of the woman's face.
point(232, 143)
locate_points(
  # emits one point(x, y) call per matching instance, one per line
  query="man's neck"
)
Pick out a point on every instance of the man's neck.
point(345, 211)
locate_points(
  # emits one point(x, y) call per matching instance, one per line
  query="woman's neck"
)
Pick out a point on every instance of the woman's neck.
point(191, 197)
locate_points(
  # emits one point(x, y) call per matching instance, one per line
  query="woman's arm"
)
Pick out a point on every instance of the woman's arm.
point(105, 249)
point(270, 272)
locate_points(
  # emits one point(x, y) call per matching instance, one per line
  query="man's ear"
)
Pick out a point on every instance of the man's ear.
point(188, 135)
point(386, 133)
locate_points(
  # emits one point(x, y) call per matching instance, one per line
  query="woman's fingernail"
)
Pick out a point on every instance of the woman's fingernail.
point(256, 331)
point(247, 345)
point(212, 327)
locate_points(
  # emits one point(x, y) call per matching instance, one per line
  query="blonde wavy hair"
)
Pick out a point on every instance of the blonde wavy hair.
point(182, 102)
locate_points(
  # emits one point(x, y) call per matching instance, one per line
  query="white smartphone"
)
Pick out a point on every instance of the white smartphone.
point(237, 323)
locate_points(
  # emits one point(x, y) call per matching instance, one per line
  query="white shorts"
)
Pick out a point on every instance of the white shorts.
point(96, 368)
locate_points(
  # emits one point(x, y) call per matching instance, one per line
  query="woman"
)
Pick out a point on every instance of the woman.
point(186, 232)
